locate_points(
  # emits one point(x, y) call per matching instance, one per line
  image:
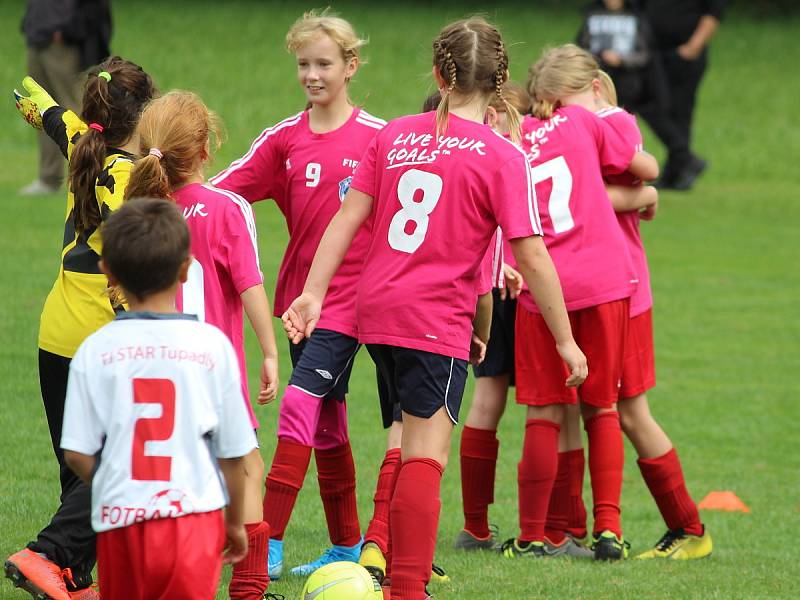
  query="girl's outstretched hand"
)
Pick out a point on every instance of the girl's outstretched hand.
point(34, 105)
point(301, 318)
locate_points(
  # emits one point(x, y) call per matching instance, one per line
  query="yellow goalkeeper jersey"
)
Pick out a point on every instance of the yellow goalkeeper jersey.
point(79, 304)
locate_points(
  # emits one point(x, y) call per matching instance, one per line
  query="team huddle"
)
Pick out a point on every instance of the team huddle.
point(499, 227)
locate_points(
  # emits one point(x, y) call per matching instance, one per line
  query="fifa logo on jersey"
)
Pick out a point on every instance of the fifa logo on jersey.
point(344, 185)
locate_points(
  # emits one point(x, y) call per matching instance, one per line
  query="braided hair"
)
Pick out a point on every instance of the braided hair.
point(471, 58)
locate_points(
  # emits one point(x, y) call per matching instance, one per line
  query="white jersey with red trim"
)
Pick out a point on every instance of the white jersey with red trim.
point(158, 399)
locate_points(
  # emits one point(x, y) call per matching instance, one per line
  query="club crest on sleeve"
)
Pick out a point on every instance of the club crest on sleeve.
point(344, 185)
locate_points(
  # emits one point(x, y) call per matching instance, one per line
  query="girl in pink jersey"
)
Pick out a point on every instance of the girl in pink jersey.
point(305, 163)
point(567, 145)
point(437, 186)
point(224, 278)
point(686, 537)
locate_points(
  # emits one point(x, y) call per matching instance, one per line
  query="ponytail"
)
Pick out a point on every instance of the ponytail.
point(114, 95)
point(444, 57)
point(543, 109)
point(148, 179)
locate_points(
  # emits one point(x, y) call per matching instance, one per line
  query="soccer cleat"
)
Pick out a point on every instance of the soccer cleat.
point(511, 548)
point(584, 541)
point(42, 578)
point(465, 540)
point(333, 554)
point(90, 593)
point(373, 560)
point(271, 596)
point(567, 547)
point(607, 546)
point(438, 575)
point(678, 545)
point(275, 559)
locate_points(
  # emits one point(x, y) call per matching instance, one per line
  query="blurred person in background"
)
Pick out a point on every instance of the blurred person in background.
point(64, 37)
point(682, 30)
point(656, 53)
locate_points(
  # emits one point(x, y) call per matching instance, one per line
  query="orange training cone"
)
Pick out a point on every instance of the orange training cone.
point(727, 501)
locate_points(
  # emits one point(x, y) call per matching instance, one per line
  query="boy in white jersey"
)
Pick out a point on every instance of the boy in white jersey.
point(153, 413)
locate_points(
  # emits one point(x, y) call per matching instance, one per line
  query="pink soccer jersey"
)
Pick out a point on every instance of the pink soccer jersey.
point(225, 263)
point(492, 264)
point(308, 175)
point(582, 234)
point(437, 204)
point(625, 124)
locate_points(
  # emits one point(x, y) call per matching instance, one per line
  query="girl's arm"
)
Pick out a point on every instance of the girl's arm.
point(256, 305)
point(644, 166)
point(81, 464)
point(235, 533)
point(626, 198)
point(482, 323)
point(302, 315)
point(536, 266)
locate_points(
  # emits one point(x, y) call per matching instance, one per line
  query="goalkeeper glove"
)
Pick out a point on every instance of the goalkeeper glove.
point(33, 106)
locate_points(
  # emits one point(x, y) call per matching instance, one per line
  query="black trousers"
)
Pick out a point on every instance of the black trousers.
point(68, 540)
point(672, 120)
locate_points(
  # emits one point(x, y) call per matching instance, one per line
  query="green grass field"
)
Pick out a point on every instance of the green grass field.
point(724, 259)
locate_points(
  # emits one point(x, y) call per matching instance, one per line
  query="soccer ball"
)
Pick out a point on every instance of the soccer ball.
point(341, 581)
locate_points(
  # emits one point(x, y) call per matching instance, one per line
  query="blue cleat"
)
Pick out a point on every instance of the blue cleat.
point(332, 554)
point(275, 560)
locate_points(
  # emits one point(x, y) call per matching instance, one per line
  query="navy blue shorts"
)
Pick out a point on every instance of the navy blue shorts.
point(500, 349)
point(390, 410)
point(322, 363)
point(419, 382)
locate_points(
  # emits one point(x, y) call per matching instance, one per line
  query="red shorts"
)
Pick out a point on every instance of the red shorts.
point(600, 332)
point(639, 363)
point(173, 559)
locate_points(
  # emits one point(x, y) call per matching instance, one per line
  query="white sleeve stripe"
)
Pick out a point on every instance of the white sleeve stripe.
point(247, 213)
point(533, 208)
point(369, 123)
point(608, 112)
point(265, 135)
point(497, 259)
point(365, 115)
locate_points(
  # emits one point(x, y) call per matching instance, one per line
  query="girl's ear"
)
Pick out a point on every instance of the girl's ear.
point(491, 118)
point(437, 77)
point(183, 271)
point(350, 68)
point(597, 87)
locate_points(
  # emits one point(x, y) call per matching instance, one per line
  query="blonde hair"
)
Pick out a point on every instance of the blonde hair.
point(517, 97)
point(607, 88)
point(559, 72)
point(472, 59)
point(311, 25)
point(174, 131)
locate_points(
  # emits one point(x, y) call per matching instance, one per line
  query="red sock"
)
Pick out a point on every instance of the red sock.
point(664, 478)
point(576, 509)
point(606, 460)
point(378, 530)
point(414, 522)
point(285, 478)
point(536, 473)
point(558, 509)
point(250, 578)
point(337, 487)
point(478, 465)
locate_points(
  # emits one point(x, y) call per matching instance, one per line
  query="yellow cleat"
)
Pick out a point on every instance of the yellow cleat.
point(373, 560)
point(677, 545)
point(438, 575)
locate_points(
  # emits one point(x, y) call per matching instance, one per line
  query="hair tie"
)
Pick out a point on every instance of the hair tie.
point(97, 127)
point(156, 152)
point(105, 75)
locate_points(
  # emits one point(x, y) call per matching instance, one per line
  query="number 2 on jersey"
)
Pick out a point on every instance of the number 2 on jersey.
point(411, 182)
point(558, 204)
point(149, 467)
